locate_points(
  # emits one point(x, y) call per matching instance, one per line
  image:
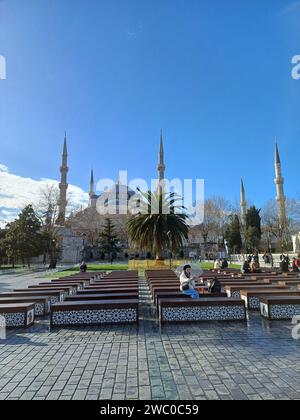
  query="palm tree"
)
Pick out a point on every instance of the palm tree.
point(160, 225)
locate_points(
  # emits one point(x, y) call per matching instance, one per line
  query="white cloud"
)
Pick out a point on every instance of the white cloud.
point(3, 168)
point(16, 192)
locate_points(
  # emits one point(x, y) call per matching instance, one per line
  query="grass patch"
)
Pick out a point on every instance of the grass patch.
point(107, 267)
point(91, 267)
point(10, 267)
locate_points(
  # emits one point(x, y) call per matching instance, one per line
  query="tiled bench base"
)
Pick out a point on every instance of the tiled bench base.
point(17, 315)
point(279, 311)
point(203, 310)
point(94, 313)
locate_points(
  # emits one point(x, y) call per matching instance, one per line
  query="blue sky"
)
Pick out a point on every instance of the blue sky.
point(214, 74)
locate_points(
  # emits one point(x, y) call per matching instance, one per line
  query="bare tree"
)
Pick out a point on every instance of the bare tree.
point(47, 206)
point(47, 209)
point(272, 231)
point(216, 215)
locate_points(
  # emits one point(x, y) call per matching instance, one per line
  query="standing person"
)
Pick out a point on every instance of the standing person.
point(83, 267)
point(217, 264)
point(187, 284)
point(256, 257)
point(224, 264)
point(266, 258)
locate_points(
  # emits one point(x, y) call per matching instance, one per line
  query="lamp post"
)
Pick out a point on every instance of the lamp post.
point(226, 247)
point(53, 261)
point(170, 250)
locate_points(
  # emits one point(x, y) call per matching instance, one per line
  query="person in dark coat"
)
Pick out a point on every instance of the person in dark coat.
point(284, 265)
point(246, 267)
point(224, 264)
point(83, 267)
point(215, 287)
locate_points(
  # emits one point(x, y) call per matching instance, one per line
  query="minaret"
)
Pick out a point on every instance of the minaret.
point(63, 186)
point(92, 184)
point(161, 165)
point(243, 204)
point(93, 196)
point(280, 198)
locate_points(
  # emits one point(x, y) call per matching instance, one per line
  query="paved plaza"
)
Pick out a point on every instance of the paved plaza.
point(254, 360)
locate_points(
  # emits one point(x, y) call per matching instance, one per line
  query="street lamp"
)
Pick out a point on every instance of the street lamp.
point(53, 258)
point(170, 250)
point(226, 247)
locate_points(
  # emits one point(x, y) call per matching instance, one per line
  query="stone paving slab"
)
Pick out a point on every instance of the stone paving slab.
point(254, 360)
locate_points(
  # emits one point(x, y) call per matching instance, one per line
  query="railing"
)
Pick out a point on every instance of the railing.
point(153, 264)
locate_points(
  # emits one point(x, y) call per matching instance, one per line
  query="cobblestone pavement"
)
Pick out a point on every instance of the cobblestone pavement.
point(17, 281)
point(254, 360)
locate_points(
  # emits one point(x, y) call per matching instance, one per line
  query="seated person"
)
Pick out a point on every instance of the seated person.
point(215, 287)
point(187, 284)
point(217, 264)
point(284, 265)
point(224, 264)
point(246, 267)
point(296, 265)
point(255, 267)
point(83, 267)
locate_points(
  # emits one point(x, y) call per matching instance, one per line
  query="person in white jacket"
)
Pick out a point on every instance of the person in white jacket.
point(187, 283)
point(217, 264)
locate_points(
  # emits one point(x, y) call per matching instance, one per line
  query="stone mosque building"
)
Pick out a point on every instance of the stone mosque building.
point(79, 232)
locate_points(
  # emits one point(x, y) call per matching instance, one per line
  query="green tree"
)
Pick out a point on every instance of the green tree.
point(3, 255)
point(24, 239)
point(108, 239)
point(160, 225)
point(253, 232)
point(233, 235)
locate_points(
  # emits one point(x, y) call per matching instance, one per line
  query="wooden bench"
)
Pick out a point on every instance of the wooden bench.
point(103, 296)
point(67, 280)
point(97, 312)
point(69, 290)
point(252, 283)
point(280, 307)
point(114, 283)
point(75, 286)
point(41, 303)
point(113, 287)
point(54, 295)
point(218, 309)
point(180, 295)
point(17, 315)
point(289, 283)
point(168, 289)
point(114, 280)
point(106, 291)
point(253, 297)
point(235, 291)
point(120, 275)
